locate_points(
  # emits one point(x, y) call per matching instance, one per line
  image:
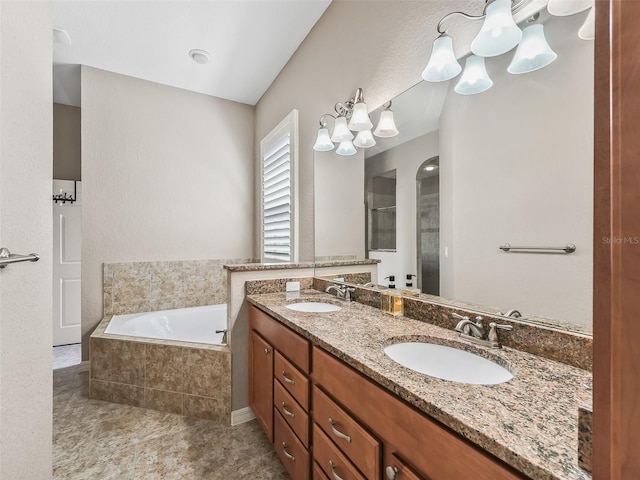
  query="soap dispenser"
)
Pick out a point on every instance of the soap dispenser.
point(409, 290)
point(392, 281)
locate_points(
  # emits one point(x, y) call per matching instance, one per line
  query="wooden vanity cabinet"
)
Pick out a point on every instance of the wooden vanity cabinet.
point(279, 389)
point(429, 449)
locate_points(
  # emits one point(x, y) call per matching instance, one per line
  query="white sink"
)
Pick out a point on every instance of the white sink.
point(448, 363)
point(313, 307)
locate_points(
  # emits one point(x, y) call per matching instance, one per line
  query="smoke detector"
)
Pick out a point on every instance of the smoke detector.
point(199, 56)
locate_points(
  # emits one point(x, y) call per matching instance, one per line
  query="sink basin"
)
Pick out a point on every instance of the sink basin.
point(448, 363)
point(313, 307)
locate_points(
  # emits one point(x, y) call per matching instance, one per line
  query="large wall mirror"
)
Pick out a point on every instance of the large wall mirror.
point(513, 164)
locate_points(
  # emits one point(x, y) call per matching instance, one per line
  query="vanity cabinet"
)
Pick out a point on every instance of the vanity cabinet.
point(279, 389)
point(330, 422)
point(413, 445)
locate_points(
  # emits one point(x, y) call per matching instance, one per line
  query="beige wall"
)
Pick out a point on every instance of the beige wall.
point(167, 175)
point(66, 142)
point(379, 46)
point(516, 166)
point(25, 226)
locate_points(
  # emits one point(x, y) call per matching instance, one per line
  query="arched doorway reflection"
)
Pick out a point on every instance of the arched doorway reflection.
point(428, 226)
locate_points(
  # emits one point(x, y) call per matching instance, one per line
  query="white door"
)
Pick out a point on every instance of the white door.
point(66, 264)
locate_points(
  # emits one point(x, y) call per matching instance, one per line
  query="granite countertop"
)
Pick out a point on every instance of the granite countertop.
point(252, 267)
point(530, 422)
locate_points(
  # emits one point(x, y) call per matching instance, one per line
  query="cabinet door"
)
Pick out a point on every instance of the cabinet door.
point(261, 382)
point(396, 469)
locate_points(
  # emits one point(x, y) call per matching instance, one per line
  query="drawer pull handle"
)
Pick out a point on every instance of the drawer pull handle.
point(267, 351)
point(392, 472)
point(287, 379)
point(287, 454)
point(337, 432)
point(286, 411)
point(333, 471)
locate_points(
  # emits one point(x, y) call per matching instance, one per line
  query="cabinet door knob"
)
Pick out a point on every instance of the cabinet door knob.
point(267, 351)
point(392, 472)
point(333, 471)
point(287, 454)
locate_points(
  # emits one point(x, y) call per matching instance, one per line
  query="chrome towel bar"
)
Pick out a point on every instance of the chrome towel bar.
point(568, 248)
point(6, 257)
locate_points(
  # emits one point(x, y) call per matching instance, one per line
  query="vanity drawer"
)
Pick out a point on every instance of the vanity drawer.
point(333, 462)
point(358, 444)
point(399, 470)
point(292, 453)
point(318, 474)
point(292, 412)
point(283, 339)
point(292, 379)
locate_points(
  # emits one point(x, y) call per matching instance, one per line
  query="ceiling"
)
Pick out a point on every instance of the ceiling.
point(250, 41)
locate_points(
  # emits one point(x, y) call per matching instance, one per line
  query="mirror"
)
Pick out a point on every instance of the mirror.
point(511, 165)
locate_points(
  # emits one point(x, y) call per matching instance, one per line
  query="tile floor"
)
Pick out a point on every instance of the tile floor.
point(96, 440)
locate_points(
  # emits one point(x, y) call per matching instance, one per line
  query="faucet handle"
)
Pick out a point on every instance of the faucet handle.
point(501, 327)
point(493, 334)
point(459, 317)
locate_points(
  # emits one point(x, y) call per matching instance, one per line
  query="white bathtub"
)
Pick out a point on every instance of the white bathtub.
point(195, 324)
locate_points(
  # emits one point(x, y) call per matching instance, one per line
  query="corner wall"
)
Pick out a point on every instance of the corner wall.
point(167, 175)
point(26, 133)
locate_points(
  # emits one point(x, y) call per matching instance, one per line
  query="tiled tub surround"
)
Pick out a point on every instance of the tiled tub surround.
point(151, 286)
point(529, 422)
point(557, 344)
point(179, 377)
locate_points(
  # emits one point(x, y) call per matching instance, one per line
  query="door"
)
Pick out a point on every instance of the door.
point(66, 264)
point(261, 382)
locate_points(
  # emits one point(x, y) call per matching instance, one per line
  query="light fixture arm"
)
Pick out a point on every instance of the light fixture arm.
point(515, 6)
point(323, 124)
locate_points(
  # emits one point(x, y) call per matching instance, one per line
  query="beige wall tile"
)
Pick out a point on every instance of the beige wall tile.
point(204, 407)
point(128, 362)
point(164, 367)
point(135, 307)
point(163, 401)
point(100, 390)
point(205, 372)
point(127, 394)
point(129, 289)
point(100, 363)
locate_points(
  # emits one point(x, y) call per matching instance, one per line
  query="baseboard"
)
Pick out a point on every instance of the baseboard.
point(242, 415)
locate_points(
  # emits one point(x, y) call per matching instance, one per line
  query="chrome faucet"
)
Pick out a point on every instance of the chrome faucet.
point(466, 326)
point(342, 292)
point(513, 313)
point(473, 332)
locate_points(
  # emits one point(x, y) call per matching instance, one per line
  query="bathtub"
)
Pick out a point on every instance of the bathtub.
point(195, 324)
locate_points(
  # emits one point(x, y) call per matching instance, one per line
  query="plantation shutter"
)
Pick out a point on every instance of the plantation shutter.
point(277, 194)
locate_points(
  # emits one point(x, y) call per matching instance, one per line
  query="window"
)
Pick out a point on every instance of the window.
point(279, 161)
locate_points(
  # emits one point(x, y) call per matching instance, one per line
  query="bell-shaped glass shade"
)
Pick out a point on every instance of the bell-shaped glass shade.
point(323, 141)
point(475, 78)
point(386, 125)
point(364, 139)
point(443, 64)
point(533, 52)
point(588, 29)
point(341, 131)
point(360, 118)
point(499, 33)
point(562, 8)
point(346, 148)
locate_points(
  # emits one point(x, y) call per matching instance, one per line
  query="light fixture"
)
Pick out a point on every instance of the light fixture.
point(588, 29)
point(475, 78)
point(430, 168)
point(199, 56)
point(352, 116)
point(346, 148)
point(533, 53)
point(562, 8)
point(386, 125)
point(61, 36)
point(364, 139)
point(443, 64)
point(499, 33)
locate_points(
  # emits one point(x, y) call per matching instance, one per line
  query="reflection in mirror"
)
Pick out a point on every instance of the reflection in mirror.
point(510, 165)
